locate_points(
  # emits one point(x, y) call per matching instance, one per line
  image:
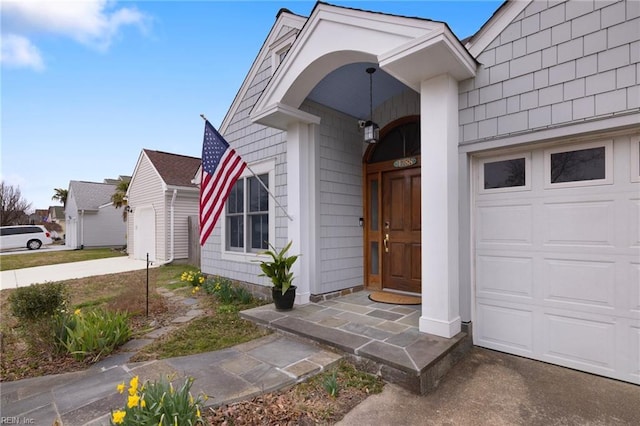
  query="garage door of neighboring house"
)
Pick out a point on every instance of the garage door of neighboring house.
point(144, 233)
point(557, 255)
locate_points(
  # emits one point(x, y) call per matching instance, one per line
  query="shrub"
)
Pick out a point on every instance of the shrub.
point(38, 301)
point(158, 403)
point(92, 334)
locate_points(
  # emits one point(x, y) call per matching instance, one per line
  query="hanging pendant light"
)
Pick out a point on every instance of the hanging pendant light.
point(371, 129)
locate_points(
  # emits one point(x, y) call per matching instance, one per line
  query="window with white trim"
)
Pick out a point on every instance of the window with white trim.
point(249, 213)
point(505, 173)
point(579, 165)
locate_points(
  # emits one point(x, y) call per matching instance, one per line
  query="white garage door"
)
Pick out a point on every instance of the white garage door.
point(557, 255)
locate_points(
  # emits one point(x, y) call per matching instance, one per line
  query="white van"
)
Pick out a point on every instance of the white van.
point(20, 236)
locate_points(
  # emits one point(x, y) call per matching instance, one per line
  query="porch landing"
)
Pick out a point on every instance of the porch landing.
point(381, 338)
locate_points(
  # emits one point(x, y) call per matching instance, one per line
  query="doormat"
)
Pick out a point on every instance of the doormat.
point(394, 298)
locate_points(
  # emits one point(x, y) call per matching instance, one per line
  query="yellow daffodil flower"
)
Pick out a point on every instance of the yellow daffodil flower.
point(133, 401)
point(120, 387)
point(134, 382)
point(77, 312)
point(118, 417)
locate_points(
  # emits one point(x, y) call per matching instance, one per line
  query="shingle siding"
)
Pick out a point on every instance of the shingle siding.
point(580, 62)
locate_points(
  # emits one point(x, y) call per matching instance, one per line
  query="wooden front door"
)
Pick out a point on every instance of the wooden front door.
point(401, 230)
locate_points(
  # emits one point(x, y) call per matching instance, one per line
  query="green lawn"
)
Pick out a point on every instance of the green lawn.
point(27, 260)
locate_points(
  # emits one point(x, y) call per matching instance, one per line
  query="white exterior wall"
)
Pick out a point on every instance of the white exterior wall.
point(553, 66)
point(72, 238)
point(146, 190)
point(102, 228)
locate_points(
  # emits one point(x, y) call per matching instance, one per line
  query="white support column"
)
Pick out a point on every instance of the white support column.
point(301, 204)
point(439, 180)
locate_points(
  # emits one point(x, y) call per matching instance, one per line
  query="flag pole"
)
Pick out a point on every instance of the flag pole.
point(261, 183)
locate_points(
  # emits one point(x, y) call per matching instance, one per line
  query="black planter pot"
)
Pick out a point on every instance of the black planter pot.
point(283, 302)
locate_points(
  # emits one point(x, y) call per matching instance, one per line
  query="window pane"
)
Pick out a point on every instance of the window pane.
point(258, 196)
point(235, 232)
point(583, 164)
point(236, 198)
point(504, 174)
point(259, 231)
point(374, 258)
point(374, 205)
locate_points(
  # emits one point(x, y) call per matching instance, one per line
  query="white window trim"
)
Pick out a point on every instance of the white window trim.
point(608, 165)
point(635, 163)
point(527, 173)
point(259, 168)
point(280, 46)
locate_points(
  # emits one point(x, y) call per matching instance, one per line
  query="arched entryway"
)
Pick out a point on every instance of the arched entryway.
point(392, 237)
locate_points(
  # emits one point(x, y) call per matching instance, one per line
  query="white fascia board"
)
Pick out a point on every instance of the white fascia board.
point(495, 25)
point(181, 188)
point(280, 115)
point(285, 19)
point(438, 52)
point(135, 171)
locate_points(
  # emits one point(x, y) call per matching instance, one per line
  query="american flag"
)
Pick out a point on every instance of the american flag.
point(221, 168)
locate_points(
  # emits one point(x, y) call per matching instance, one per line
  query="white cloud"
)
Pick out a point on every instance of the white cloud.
point(17, 51)
point(94, 23)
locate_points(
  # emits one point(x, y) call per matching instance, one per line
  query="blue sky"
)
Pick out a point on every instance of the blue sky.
point(86, 85)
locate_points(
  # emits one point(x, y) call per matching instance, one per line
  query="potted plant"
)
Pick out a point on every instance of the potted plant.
point(278, 270)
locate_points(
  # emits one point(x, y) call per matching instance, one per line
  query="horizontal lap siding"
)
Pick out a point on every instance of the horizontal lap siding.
point(145, 189)
point(186, 204)
point(555, 65)
point(104, 228)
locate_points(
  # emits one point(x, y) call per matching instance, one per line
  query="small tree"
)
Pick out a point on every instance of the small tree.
point(60, 195)
point(13, 208)
point(119, 197)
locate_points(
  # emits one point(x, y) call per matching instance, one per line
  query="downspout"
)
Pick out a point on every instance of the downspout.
point(171, 229)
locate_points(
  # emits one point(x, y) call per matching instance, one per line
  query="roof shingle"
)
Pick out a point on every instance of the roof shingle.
point(174, 169)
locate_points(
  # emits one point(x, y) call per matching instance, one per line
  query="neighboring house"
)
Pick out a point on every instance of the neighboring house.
point(504, 188)
point(56, 215)
point(38, 217)
point(160, 199)
point(91, 218)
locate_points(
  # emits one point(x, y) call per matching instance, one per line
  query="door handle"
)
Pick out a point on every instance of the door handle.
point(386, 243)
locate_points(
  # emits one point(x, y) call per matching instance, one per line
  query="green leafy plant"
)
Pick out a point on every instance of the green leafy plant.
point(92, 334)
point(330, 384)
point(278, 269)
point(158, 403)
point(227, 293)
point(38, 301)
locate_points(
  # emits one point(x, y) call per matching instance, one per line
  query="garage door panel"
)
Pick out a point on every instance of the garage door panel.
point(504, 327)
point(505, 276)
point(634, 288)
point(504, 224)
point(633, 349)
point(575, 341)
point(580, 282)
point(579, 223)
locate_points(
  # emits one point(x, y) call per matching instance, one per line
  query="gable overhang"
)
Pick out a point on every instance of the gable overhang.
point(409, 49)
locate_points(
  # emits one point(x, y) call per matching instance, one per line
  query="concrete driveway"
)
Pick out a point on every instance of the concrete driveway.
point(492, 388)
point(66, 271)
